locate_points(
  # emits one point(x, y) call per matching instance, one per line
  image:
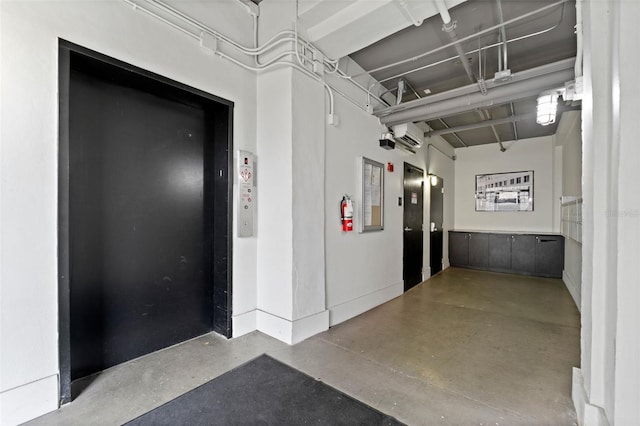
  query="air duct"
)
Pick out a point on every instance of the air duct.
point(523, 85)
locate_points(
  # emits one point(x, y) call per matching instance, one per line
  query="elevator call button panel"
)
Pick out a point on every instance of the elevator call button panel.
point(246, 193)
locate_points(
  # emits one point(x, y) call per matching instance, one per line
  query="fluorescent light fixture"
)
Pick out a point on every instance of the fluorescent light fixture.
point(547, 107)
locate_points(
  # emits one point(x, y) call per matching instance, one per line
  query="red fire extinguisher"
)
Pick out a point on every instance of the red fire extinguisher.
point(346, 213)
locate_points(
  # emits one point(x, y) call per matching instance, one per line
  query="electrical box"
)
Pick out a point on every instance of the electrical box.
point(246, 193)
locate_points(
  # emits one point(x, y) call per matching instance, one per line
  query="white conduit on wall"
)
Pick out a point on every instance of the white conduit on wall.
point(330, 65)
point(283, 37)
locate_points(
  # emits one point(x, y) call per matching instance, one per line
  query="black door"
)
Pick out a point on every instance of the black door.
point(147, 215)
point(436, 198)
point(413, 213)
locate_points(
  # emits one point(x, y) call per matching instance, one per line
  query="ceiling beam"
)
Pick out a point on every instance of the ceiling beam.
point(480, 124)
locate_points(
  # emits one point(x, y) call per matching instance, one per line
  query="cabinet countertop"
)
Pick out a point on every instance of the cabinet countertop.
point(477, 231)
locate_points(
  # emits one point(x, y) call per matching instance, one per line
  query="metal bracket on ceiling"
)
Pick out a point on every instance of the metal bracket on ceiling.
point(449, 26)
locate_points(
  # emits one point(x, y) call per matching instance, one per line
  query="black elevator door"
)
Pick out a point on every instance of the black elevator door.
point(140, 275)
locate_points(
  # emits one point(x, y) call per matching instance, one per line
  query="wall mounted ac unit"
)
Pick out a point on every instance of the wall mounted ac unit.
point(408, 134)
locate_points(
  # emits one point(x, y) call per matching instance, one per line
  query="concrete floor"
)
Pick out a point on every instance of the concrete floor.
point(465, 347)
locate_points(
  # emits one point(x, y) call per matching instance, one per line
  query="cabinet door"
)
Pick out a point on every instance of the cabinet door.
point(523, 253)
point(458, 249)
point(500, 251)
point(549, 255)
point(479, 250)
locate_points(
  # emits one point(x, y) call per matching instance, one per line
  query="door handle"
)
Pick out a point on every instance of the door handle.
point(407, 229)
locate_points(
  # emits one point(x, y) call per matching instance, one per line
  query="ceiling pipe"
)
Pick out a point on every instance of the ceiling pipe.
point(446, 126)
point(407, 13)
point(495, 133)
point(486, 117)
point(579, 39)
point(463, 39)
point(515, 126)
point(400, 92)
point(450, 157)
point(449, 27)
point(498, 96)
point(479, 125)
point(503, 37)
point(479, 50)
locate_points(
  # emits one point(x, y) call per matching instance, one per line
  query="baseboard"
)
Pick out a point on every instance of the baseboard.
point(292, 332)
point(244, 323)
point(588, 414)
point(574, 289)
point(355, 307)
point(26, 402)
point(304, 328)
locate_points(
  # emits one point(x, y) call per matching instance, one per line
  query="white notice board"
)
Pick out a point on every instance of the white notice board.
point(372, 186)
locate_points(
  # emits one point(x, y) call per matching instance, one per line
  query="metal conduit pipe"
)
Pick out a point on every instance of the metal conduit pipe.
point(450, 28)
point(497, 96)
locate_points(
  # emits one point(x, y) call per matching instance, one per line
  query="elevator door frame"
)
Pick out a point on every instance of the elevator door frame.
point(223, 195)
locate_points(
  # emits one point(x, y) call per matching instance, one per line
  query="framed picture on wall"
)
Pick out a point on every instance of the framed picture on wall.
point(505, 192)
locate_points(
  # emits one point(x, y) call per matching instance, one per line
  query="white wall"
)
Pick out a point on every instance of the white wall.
point(365, 269)
point(308, 139)
point(535, 154)
point(28, 170)
point(568, 138)
point(297, 266)
point(369, 265)
point(606, 388)
point(291, 247)
point(442, 166)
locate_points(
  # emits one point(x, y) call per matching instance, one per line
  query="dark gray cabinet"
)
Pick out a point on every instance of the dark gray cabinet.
point(478, 250)
point(523, 253)
point(529, 254)
point(549, 255)
point(500, 251)
point(458, 248)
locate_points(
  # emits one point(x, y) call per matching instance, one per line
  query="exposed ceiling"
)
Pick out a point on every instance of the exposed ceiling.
point(541, 39)
point(442, 90)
